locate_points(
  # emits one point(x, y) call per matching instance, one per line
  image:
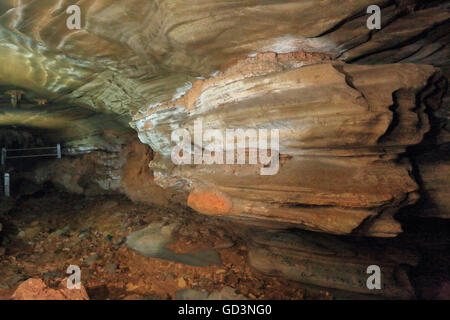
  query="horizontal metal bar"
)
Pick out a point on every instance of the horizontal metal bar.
point(43, 148)
point(33, 156)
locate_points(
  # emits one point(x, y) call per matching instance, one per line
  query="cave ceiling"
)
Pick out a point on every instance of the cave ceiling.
point(133, 54)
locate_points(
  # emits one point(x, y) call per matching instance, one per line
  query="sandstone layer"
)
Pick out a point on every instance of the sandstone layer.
point(342, 129)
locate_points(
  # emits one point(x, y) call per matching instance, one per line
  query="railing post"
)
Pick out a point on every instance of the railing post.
point(58, 151)
point(6, 185)
point(3, 156)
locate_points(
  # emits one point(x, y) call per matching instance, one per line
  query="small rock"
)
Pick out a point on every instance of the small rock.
point(181, 283)
point(190, 294)
point(226, 293)
point(109, 205)
point(152, 241)
point(86, 229)
point(111, 267)
point(32, 232)
point(171, 276)
point(131, 287)
point(223, 244)
point(36, 289)
point(204, 282)
point(90, 260)
point(22, 234)
point(63, 231)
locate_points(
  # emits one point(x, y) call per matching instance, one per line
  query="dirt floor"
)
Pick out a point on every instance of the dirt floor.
point(48, 232)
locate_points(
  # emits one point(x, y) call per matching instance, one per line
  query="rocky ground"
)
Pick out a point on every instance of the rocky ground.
point(46, 233)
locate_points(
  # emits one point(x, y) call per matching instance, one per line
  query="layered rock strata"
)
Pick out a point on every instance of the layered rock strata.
point(342, 129)
point(332, 262)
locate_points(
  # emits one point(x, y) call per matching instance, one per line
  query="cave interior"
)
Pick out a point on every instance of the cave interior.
point(360, 139)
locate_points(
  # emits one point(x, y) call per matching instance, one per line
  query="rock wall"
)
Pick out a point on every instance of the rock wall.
point(124, 171)
point(343, 127)
point(342, 131)
point(332, 262)
point(431, 157)
point(138, 182)
point(91, 174)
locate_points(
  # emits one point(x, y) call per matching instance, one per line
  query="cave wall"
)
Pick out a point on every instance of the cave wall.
point(348, 101)
point(342, 131)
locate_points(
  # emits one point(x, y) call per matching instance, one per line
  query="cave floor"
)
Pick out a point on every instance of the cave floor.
point(48, 232)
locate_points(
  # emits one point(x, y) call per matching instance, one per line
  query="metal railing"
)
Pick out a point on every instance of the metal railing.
point(6, 153)
point(16, 154)
point(6, 186)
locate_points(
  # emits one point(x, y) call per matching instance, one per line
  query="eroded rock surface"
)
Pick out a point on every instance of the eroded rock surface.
point(161, 65)
point(341, 131)
point(330, 262)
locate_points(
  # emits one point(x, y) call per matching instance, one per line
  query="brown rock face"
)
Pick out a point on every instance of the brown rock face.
point(137, 179)
point(121, 171)
point(36, 289)
point(436, 184)
point(209, 202)
point(92, 174)
point(332, 262)
point(342, 127)
point(341, 131)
